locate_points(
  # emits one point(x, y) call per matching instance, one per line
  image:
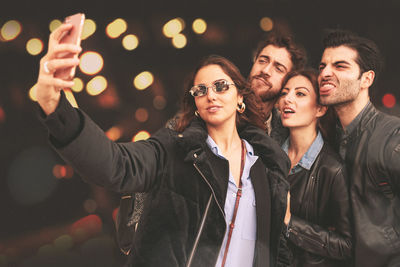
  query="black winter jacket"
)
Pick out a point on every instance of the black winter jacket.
point(183, 220)
point(321, 226)
point(373, 163)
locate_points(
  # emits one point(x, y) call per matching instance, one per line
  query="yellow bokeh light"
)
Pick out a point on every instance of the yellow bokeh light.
point(142, 135)
point(91, 63)
point(266, 24)
point(34, 46)
point(116, 28)
point(199, 26)
point(10, 30)
point(141, 114)
point(89, 27)
point(32, 93)
point(70, 97)
point(78, 85)
point(54, 24)
point(130, 42)
point(179, 41)
point(143, 80)
point(173, 27)
point(96, 85)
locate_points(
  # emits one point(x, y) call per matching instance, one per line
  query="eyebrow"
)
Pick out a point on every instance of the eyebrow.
point(275, 62)
point(296, 88)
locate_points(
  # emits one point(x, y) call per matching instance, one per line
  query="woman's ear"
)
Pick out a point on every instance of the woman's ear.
point(321, 110)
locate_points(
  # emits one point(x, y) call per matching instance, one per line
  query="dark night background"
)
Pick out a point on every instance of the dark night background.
point(42, 217)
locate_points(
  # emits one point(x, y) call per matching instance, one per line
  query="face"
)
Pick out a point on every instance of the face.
point(268, 71)
point(339, 77)
point(216, 109)
point(298, 104)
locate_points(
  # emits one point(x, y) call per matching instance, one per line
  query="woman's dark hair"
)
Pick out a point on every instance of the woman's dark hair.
point(253, 113)
point(327, 123)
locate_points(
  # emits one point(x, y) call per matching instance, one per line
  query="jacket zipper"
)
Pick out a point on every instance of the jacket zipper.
point(203, 219)
point(312, 240)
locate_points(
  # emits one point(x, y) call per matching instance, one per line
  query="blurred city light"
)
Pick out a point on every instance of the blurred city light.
point(88, 226)
point(130, 42)
point(91, 62)
point(389, 100)
point(89, 28)
point(266, 24)
point(54, 24)
point(142, 135)
point(159, 102)
point(179, 41)
point(173, 27)
point(116, 28)
point(141, 114)
point(34, 46)
point(78, 85)
point(30, 179)
point(90, 205)
point(10, 30)
point(96, 85)
point(32, 93)
point(62, 171)
point(2, 115)
point(143, 80)
point(114, 133)
point(70, 97)
point(63, 242)
point(199, 26)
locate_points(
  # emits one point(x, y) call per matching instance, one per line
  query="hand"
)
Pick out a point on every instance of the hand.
point(48, 87)
point(288, 215)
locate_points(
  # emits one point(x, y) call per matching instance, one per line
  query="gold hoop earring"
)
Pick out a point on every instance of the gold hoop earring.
point(241, 107)
point(197, 114)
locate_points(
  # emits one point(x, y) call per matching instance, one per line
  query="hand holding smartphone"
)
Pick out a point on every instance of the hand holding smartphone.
point(73, 36)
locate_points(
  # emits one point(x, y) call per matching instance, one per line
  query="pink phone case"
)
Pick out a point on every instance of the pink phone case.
point(73, 36)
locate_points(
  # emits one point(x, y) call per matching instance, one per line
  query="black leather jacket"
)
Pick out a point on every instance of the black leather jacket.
point(320, 229)
point(373, 163)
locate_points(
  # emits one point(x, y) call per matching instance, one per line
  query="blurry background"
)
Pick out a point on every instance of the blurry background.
point(136, 55)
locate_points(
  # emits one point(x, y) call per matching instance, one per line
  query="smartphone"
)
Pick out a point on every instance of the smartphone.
point(73, 36)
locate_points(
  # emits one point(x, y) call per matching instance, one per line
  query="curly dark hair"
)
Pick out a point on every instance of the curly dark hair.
point(253, 113)
point(297, 53)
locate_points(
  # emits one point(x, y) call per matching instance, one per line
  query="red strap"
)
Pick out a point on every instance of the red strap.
point(238, 195)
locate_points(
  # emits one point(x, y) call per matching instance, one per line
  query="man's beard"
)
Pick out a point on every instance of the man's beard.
point(263, 88)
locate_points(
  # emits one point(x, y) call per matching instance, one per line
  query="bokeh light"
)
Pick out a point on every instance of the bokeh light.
point(91, 62)
point(159, 102)
point(173, 27)
point(143, 80)
point(90, 205)
point(62, 171)
point(130, 42)
point(10, 30)
point(389, 100)
point(32, 93)
point(141, 114)
point(34, 46)
point(266, 24)
point(70, 97)
point(89, 28)
point(179, 41)
point(199, 26)
point(54, 24)
point(86, 227)
point(116, 28)
point(63, 242)
point(96, 85)
point(30, 179)
point(142, 135)
point(78, 85)
point(2, 115)
point(114, 133)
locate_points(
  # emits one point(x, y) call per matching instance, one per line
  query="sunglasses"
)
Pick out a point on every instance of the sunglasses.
point(219, 86)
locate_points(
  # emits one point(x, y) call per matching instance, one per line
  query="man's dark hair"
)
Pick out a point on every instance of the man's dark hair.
point(368, 55)
point(297, 52)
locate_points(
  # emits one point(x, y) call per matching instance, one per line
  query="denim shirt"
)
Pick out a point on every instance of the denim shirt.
point(309, 157)
point(243, 240)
